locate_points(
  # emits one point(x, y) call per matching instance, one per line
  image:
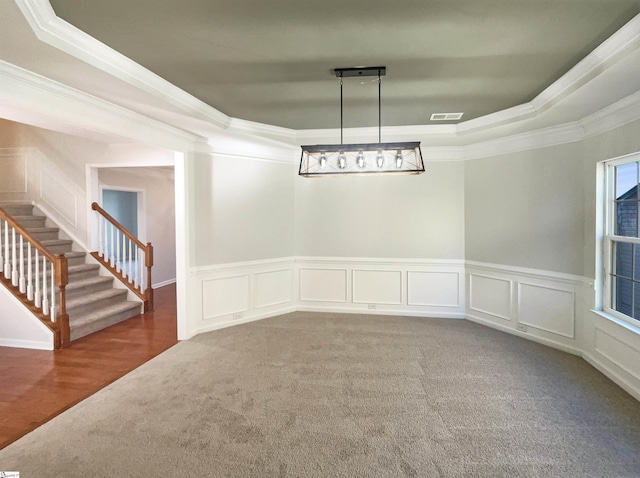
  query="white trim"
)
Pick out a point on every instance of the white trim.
point(390, 311)
point(612, 374)
point(141, 206)
point(534, 326)
point(534, 338)
point(536, 273)
point(234, 266)
point(53, 30)
point(163, 283)
point(244, 320)
point(81, 110)
point(51, 217)
point(27, 344)
point(379, 260)
point(620, 113)
point(493, 314)
point(58, 33)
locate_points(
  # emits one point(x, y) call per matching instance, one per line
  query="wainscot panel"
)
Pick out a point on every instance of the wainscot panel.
point(535, 304)
point(377, 287)
point(323, 285)
point(410, 287)
point(13, 164)
point(544, 308)
point(231, 294)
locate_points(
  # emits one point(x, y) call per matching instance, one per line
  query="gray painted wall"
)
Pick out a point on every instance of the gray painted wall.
point(381, 216)
point(526, 209)
point(243, 210)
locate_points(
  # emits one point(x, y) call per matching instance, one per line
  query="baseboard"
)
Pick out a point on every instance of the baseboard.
point(533, 338)
point(26, 344)
point(244, 320)
point(613, 375)
point(398, 313)
point(163, 283)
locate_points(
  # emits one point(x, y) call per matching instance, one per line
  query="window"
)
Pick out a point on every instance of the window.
point(622, 239)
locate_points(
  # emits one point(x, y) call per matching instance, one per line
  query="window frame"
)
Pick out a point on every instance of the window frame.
point(609, 238)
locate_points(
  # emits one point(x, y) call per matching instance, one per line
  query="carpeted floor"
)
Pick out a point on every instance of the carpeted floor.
point(327, 395)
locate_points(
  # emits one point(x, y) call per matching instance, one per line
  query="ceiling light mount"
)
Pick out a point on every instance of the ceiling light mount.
point(366, 158)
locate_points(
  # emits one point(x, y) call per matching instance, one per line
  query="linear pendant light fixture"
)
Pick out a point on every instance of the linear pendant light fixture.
point(322, 160)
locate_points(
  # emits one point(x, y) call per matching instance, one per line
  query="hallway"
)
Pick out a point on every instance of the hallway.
point(37, 385)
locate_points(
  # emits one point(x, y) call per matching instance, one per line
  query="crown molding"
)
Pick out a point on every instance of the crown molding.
point(618, 114)
point(60, 34)
point(621, 43)
point(36, 93)
point(542, 138)
point(54, 31)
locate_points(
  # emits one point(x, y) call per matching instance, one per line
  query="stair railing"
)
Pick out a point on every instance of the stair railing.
point(125, 256)
point(36, 276)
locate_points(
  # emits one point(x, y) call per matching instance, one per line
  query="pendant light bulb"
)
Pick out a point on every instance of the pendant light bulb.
point(360, 160)
point(323, 160)
point(342, 160)
point(399, 159)
point(380, 159)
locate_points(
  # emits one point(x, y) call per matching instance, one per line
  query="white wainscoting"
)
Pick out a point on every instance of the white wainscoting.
point(13, 164)
point(231, 294)
point(539, 305)
point(613, 347)
point(413, 287)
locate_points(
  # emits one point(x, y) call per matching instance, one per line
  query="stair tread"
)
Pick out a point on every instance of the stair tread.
point(96, 315)
point(78, 284)
point(94, 297)
point(83, 267)
point(35, 230)
point(53, 242)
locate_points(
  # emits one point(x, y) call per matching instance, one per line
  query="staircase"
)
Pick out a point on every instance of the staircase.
point(92, 302)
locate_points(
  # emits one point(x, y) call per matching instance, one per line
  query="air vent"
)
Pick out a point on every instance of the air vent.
point(446, 116)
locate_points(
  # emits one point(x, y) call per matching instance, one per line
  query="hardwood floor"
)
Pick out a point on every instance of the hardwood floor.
point(37, 385)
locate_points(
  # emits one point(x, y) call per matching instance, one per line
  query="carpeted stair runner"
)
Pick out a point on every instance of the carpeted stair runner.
point(92, 301)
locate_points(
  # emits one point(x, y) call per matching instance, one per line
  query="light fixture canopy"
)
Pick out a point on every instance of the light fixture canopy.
point(322, 160)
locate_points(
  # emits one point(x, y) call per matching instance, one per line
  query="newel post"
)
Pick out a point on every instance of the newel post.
point(62, 279)
point(148, 303)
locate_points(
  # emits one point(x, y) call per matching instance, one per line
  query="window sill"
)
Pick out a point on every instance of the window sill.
point(616, 320)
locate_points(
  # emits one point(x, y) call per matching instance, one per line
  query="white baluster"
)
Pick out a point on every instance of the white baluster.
point(22, 281)
point(7, 266)
point(118, 258)
point(37, 298)
point(53, 293)
point(29, 273)
point(137, 277)
point(143, 256)
point(45, 296)
point(130, 261)
point(123, 266)
point(14, 269)
point(100, 243)
point(113, 259)
point(1, 248)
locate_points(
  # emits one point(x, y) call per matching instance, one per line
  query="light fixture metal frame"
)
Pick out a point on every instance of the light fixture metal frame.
point(412, 149)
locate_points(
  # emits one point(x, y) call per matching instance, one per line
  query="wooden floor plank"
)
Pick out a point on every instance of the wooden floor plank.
point(38, 385)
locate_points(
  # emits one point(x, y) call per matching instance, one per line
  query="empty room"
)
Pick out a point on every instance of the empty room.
point(309, 239)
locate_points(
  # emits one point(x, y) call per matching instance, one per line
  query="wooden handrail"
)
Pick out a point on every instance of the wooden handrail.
point(34, 242)
point(147, 295)
point(113, 221)
point(59, 327)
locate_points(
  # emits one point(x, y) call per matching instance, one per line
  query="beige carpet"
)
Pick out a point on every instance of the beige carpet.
point(327, 395)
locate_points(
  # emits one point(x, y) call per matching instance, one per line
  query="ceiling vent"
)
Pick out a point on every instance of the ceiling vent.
point(446, 116)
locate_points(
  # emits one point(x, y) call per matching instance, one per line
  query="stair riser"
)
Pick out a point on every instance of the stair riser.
point(18, 210)
point(73, 293)
point(45, 236)
point(32, 221)
point(81, 331)
point(83, 308)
